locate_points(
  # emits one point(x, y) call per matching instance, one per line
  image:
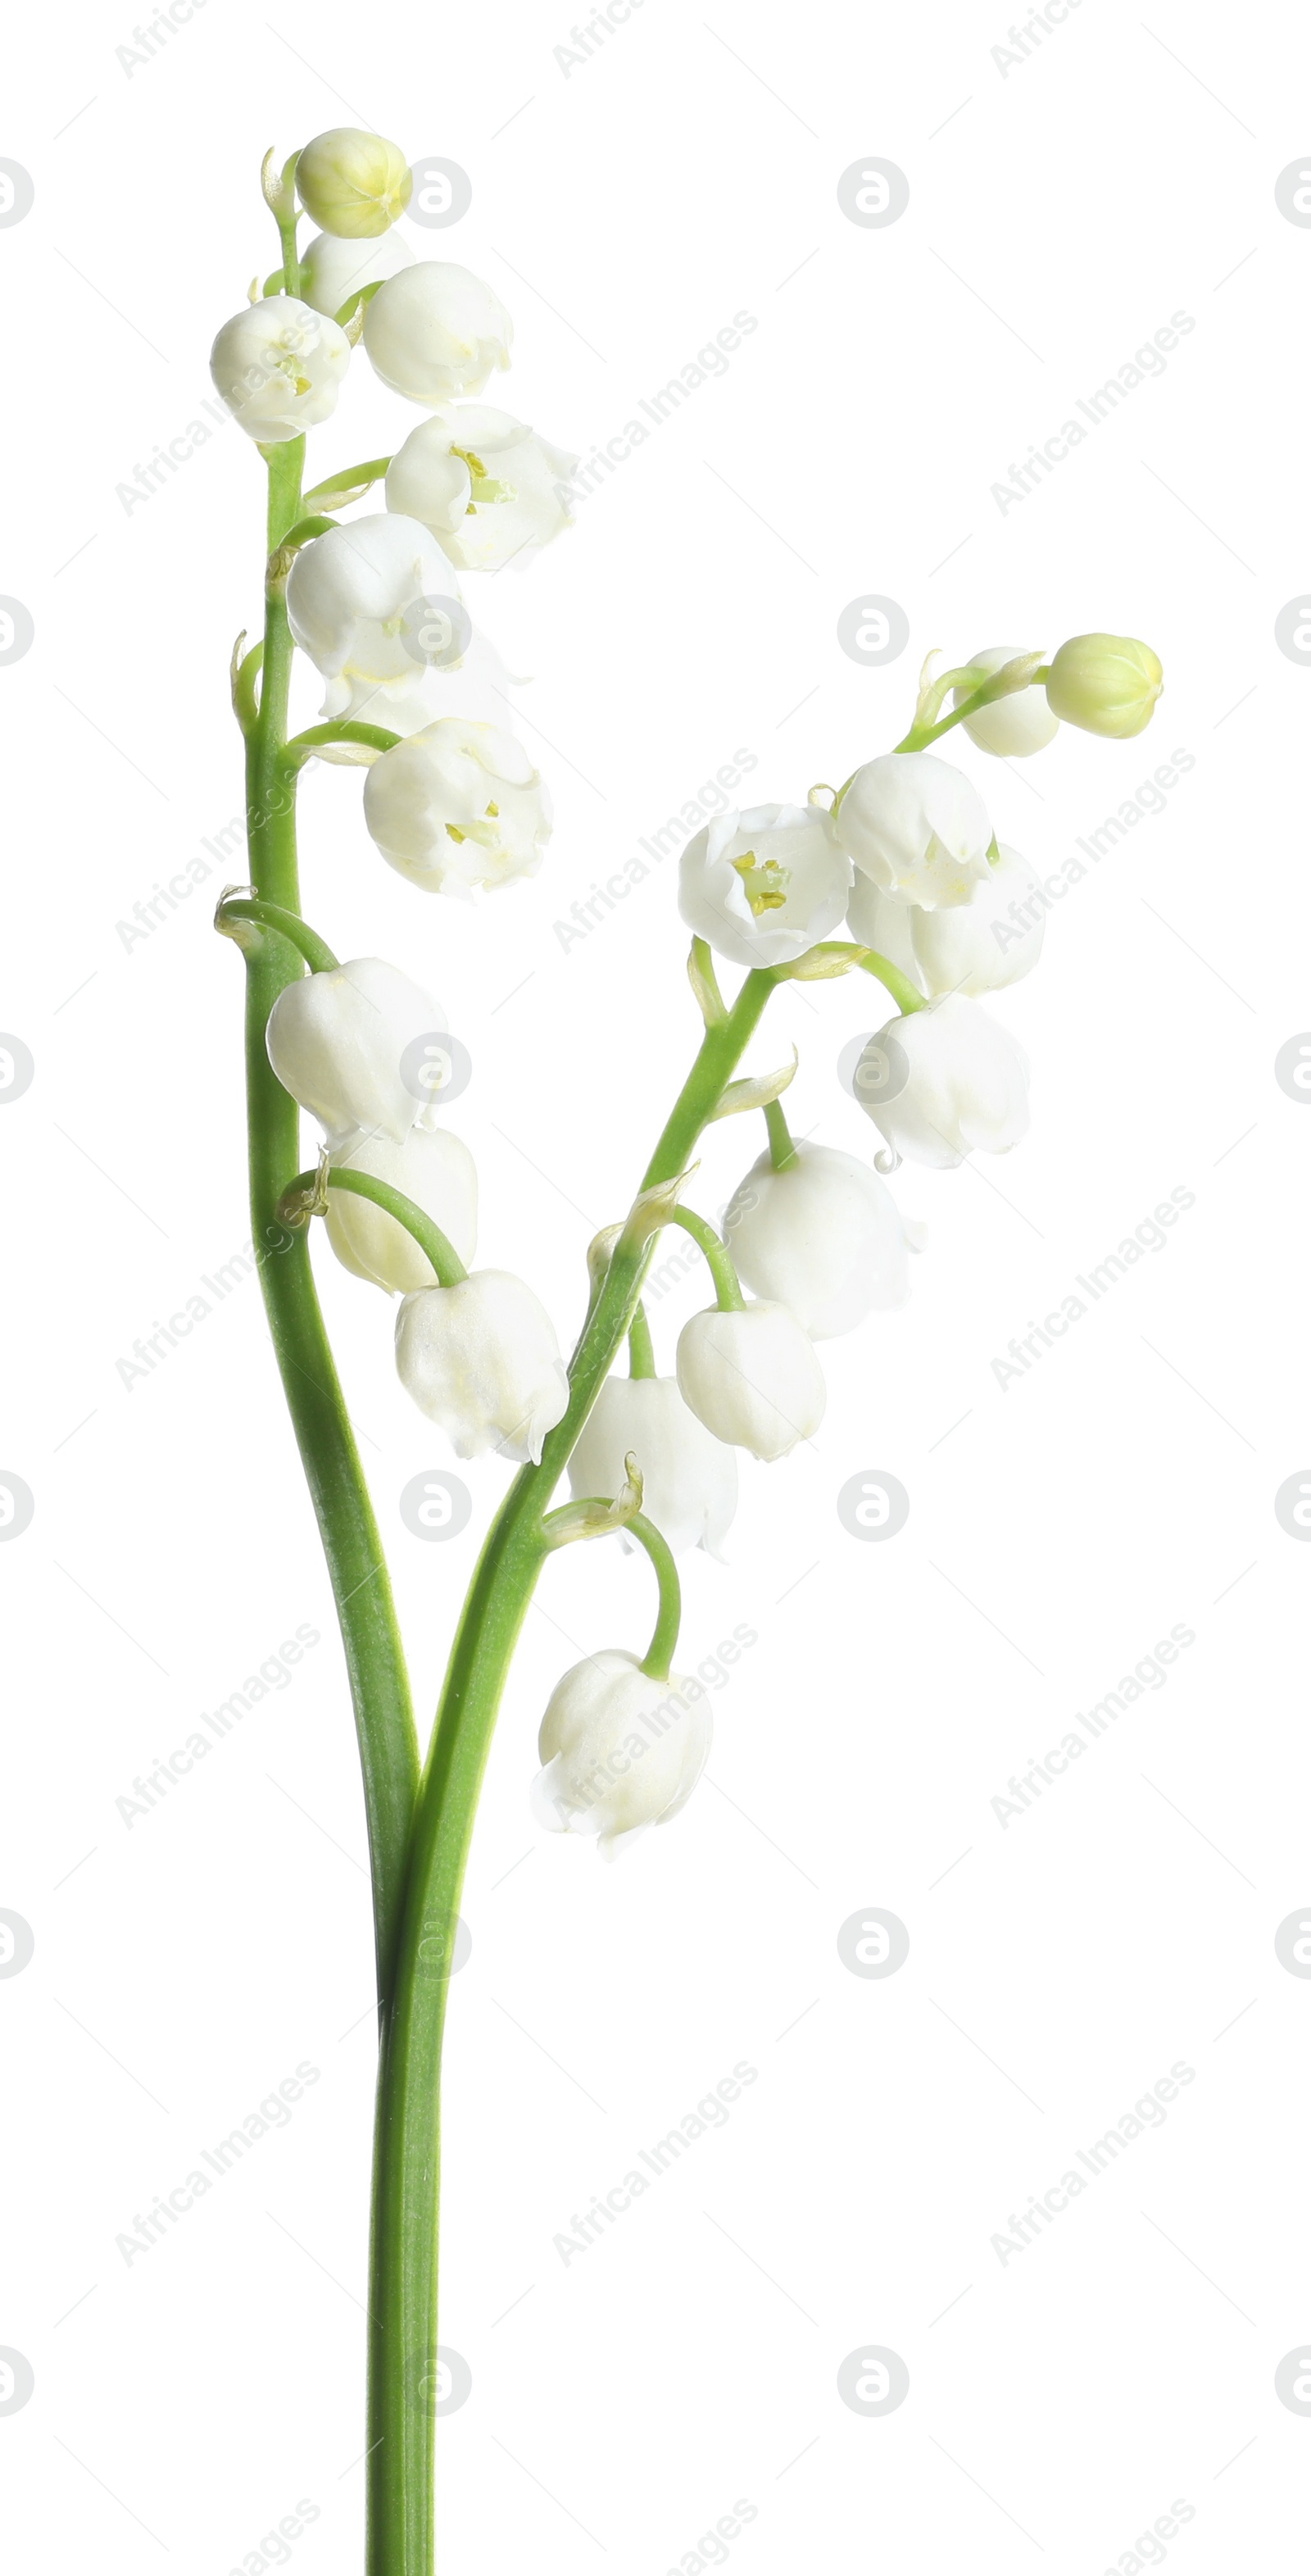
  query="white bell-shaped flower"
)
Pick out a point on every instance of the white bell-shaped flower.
point(762, 886)
point(944, 1082)
point(689, 1479)
point(436, 332)
point(348, 1044)
point(916, 826)
point(482, 1360)
point(457, 806)
point(752, 1377)
point(350, 594)
point(621, 1750)
point(437, 1171)
point(279, 366)
point(333, 269)
point(1013, 726)
point(885, 922)
point(488, 487)
point(989, 942)
point(823, 1237)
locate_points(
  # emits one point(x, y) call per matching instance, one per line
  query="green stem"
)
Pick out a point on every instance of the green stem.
point(664, 1638)
point(303, 746)
point(374, 1660)
point(986, 695)
point(445, 1260)
point(782, 1151)
point(348, 485)
point(641, 1348)
point(900, 986)
point(728, 1290)
point(319, 958)
point(403, 2294)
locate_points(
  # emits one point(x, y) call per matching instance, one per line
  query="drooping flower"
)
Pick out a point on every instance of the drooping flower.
point(989, 942)
point(352, 183)
point(346, 1044)
point(823, 1237)
point(751, 1376)
point(916, 826)
point(884, 922)
point(764, 885)
point(359, 600)
point(1106, 684)
point(332, 270)
point(621, 1750)
point(436, 332)
point(488, 487)
point(433, 1168)
point(457, 806)
point(278, 366)
point(689, 1479)
point(944, 1082)
point(482, 1360)
point(1010, 727)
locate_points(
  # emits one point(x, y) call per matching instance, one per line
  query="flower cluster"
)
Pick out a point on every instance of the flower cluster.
point(902, 859)
point(375, 602)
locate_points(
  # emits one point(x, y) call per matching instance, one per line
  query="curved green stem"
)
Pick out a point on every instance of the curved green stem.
point(986, 695)
point(296, 1205)
point(319, 958)
point(349, 485)
point(303, 746)
point(664, 1637)
point(641, 1348)
point(728, 1289)
point(782, 1151)
point(403, 2294)
point(903, 992)
point(376, 1666)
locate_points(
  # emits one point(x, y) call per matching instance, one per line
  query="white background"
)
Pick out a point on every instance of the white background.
point(1061, 210)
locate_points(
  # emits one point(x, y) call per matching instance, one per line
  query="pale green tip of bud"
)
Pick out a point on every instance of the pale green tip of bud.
point(1106, 684)
point(353, 184)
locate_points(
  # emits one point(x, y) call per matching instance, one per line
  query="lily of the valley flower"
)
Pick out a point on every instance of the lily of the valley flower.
point(823, 1237)
point(458, 805)
point(621, 1750)
point(1011, 727)
point(945, 1082)
point(482, 1360)
point(916, 826)
point(689, 1479)
point(762, 886)
point(487, 486)
point(883, 921)
point(332, 270)
point(352, 183)
point(436, 332)
point(750, 1375)
point(1106, 684)
point(278, 366)
point(437, 1171)
point(989, 942)
point(339, 1042)
point(348, 596)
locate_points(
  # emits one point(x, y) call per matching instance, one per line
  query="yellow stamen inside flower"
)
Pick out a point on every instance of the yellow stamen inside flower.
point(764, 882)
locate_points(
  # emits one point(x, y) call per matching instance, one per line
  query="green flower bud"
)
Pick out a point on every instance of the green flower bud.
point(1105, 684)
point(353, 184)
